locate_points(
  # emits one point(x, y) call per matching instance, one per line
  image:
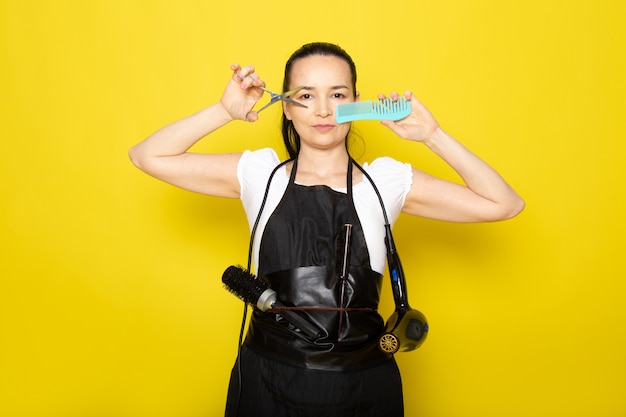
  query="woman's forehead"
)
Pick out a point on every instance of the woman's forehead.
point(318, 70)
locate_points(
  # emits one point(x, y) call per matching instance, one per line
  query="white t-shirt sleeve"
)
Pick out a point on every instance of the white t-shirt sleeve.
point(393, 179)
point(253, 172)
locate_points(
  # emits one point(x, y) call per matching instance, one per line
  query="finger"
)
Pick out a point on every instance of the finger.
point(244, 75)
point(414, 99)
point(252, 81)
point(236, 68)
point(394, 127)
point(252, 116)
point(390, 124)
point(245, 71)
point(393, 96)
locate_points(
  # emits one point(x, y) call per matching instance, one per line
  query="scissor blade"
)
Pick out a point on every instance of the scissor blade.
point(297, 103)
point(286, 94)
point(290, 92)
point(277, 97)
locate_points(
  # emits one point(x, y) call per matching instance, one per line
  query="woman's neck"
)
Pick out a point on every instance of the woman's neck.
point(323, 168)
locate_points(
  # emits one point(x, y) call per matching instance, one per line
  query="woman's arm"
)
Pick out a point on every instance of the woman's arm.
point(165, 156)
point(485, 197)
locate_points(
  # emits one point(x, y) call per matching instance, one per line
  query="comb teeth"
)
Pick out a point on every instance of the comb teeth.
point(389, 106)
point(386, 109)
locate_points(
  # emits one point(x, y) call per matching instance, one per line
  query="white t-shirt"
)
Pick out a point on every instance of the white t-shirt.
point(392, 178)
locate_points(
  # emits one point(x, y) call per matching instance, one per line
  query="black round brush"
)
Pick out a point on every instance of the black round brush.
point(256, 292)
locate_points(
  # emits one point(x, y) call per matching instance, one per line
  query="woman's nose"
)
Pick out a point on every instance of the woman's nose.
point(324, 108)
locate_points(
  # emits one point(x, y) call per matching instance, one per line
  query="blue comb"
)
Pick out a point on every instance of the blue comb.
point(386, 109)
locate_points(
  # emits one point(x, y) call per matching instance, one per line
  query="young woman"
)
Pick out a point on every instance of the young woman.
point(281, 371)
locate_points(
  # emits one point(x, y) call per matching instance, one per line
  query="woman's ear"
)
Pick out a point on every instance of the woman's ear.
point(357, 96)
point(286, 111)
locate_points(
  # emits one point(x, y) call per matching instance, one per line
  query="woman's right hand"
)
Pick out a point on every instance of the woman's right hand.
point(242, 93)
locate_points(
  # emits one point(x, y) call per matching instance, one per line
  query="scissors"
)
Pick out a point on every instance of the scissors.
point(278, 97)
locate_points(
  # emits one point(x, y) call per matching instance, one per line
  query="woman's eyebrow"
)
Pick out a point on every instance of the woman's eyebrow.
point(334, 87)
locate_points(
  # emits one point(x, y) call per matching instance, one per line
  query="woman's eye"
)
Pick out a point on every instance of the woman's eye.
point(339, 95)
point(304, 96)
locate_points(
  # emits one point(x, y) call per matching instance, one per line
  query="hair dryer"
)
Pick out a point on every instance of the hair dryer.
point(407, 328)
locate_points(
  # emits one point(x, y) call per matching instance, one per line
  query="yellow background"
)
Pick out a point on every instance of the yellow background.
point(111, 299)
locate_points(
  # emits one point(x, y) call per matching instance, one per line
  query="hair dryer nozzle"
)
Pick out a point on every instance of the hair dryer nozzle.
point(406, 330)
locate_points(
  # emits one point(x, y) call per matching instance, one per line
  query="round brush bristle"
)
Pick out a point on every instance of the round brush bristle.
point(243, 284)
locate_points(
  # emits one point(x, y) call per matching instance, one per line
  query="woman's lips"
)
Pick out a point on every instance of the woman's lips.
point(323, 128)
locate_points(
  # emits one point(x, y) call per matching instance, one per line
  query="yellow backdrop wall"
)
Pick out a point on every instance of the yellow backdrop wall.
point(110, 287)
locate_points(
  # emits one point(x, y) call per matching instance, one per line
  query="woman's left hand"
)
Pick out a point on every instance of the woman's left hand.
point(418, 126)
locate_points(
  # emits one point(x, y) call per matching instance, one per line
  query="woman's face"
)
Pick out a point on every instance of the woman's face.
point(327, 81)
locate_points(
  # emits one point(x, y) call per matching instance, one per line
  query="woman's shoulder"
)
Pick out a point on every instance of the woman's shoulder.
point(257, 162)
point(392, 178)
point(387, 167)
point(255, 167)
point(261, 156)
